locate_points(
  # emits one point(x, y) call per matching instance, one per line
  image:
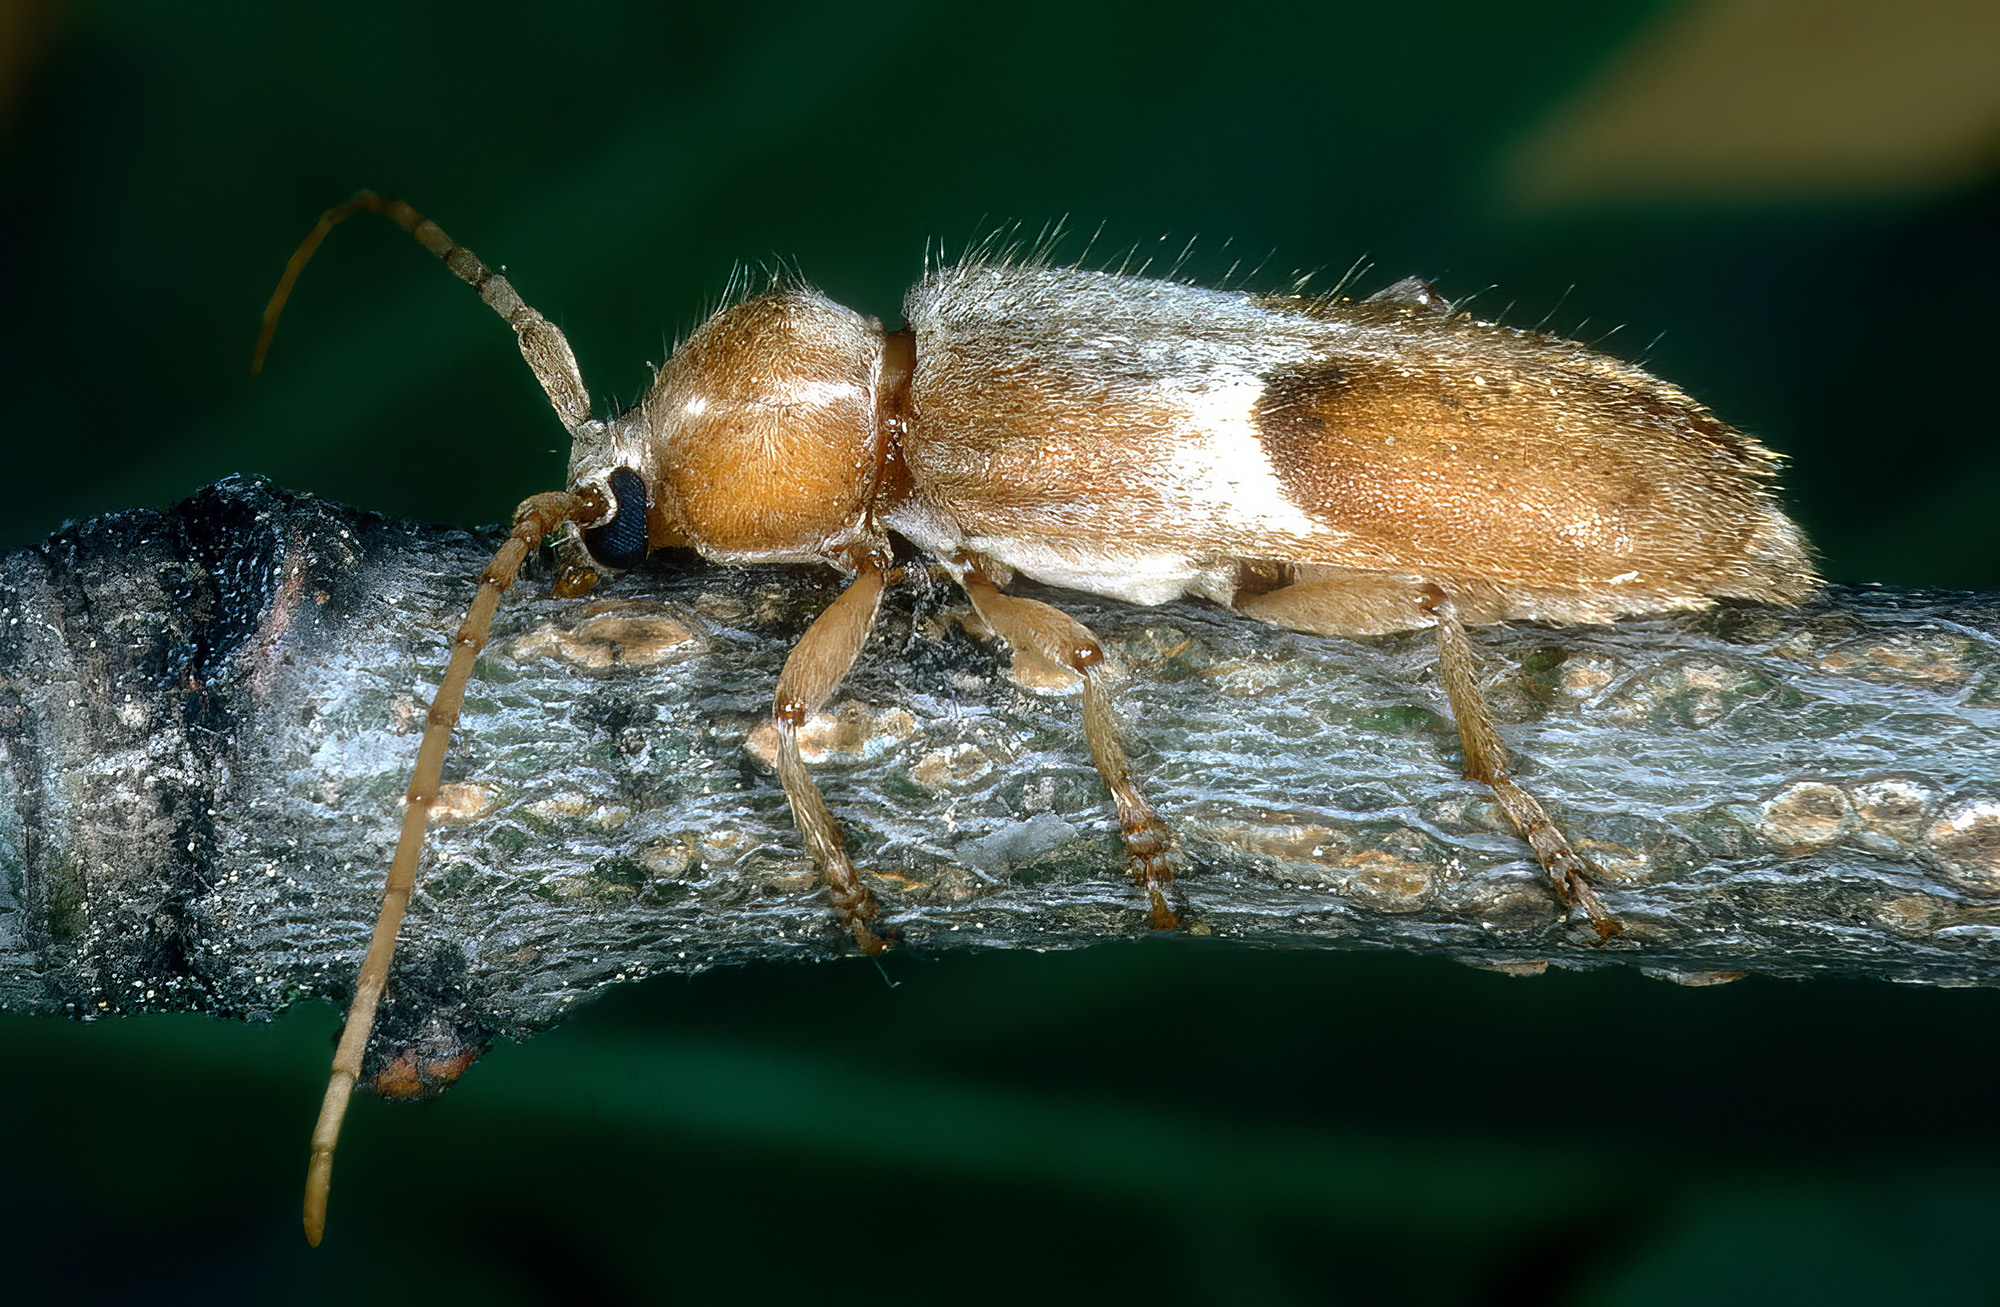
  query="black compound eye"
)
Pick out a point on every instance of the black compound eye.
point(621, 542)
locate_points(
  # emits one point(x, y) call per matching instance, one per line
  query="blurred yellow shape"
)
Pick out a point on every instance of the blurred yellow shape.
point(1759, 100)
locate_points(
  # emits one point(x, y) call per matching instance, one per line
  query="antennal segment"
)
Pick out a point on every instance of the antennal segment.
point(542, 343)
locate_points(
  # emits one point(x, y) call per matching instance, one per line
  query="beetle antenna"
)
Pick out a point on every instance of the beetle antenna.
point(549, 356)
point(543, 344)
point(534, 519)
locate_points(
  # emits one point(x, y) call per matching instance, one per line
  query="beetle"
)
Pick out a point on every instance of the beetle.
point(1341, 466)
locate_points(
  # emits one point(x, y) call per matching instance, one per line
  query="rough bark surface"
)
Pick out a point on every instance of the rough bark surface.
point(207, 716)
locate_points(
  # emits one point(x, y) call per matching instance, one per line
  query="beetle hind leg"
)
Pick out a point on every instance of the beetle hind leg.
point(1037, 629)
point(1370, 603)
point(1486, 761)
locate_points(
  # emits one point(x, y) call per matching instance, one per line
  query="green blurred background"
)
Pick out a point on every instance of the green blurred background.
point(1788, 206)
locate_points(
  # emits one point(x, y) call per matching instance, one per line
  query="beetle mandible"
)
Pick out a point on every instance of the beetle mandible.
point(1348, 467)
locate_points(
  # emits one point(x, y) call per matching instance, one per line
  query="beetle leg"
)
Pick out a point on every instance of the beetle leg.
point(1357, 603)
point(1036, 629)
point(1486, 761)
point(813, 671)
point(1372, 604)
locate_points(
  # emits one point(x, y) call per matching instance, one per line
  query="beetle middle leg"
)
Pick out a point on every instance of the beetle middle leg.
point(1032, 627)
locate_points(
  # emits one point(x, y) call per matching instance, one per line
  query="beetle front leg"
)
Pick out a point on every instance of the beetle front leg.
point(813, 670)
point(1031, 627)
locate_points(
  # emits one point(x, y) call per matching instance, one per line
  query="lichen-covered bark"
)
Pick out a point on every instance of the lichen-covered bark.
point(208, 715)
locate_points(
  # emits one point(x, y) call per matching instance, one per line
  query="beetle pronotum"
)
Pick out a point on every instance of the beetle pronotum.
point(1339, 466)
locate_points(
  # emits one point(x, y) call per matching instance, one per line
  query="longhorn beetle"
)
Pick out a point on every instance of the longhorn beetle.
point(1342, 466)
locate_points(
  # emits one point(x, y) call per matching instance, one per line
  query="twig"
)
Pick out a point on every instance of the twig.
point(208, 715)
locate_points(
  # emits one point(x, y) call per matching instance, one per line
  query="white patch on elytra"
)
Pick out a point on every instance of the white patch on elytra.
point(1186, 365)
point(1222, 473)
point(1214, 477)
